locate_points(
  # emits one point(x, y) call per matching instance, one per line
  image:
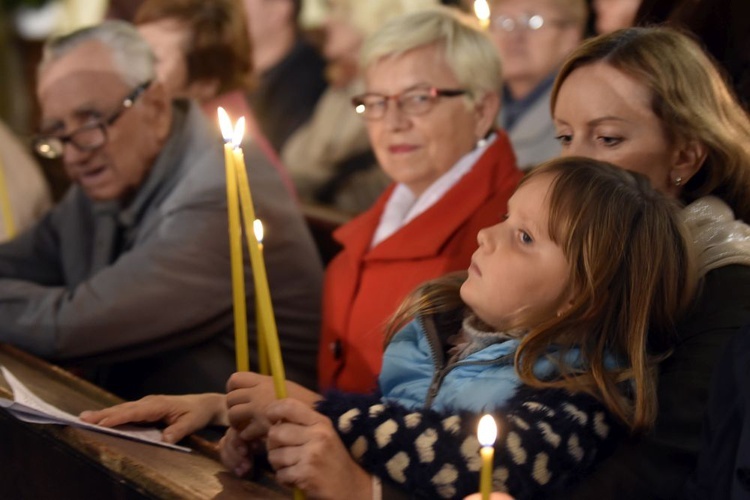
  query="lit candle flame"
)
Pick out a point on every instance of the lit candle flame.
point(258, 230)
point(487, 431)
point(482, 11)
point(239, 131)
point(225, 124)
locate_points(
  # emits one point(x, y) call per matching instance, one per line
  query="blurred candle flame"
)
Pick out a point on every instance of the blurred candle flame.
point(239, 132)
point(225, 124)
point(482, 11)
point(258, 230)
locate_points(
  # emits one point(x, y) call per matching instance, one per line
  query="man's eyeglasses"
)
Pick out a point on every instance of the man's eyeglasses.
point(88, 137)
point(415, 101)
point(525, 22)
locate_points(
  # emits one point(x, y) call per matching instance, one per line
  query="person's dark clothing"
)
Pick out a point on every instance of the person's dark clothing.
point(286, 94)
point(723, 470)
point(658, 464)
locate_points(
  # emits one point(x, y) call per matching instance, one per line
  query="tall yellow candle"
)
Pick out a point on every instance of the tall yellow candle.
point(262, 351)
point(239, 303)
point(486, 434)
point(5, 205)
point(264, 308)
point(482, 11)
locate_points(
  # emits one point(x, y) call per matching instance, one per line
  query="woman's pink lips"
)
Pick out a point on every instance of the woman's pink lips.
point(401, 148)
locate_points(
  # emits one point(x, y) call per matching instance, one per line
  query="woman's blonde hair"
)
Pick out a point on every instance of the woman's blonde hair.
point(691, 99)
point(631, 275)
point(468, 52)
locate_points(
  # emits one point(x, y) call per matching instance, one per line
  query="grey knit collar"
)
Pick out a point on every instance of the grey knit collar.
point(475, 335)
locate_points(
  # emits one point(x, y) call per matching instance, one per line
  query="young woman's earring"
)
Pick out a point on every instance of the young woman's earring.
point(481, 143)
point(678, 181)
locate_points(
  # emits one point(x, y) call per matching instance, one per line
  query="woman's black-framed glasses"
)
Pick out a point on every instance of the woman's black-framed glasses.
point(88, 137)
point(415, 101)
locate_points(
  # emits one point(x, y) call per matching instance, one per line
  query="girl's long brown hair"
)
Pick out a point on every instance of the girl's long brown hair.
point(631, 274)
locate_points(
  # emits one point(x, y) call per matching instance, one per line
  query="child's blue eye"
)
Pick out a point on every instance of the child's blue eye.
point(526, 238)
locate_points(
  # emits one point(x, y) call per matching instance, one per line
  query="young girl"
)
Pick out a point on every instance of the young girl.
point(567, 303)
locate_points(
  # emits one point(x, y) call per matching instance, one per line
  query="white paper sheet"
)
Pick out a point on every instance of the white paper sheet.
point(28, 407)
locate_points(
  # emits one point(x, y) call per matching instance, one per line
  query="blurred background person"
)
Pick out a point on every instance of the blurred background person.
point(533, 37)
point(202, 50)
point(612, 15)
point(289, 70)
point(24, 193)
point(430, 103)
point(329, 157)
point(203, 53)
point(124, 10)
point(127, 278)
point(722, 26)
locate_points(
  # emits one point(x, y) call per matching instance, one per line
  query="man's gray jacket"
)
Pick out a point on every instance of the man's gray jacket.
point(139, 298)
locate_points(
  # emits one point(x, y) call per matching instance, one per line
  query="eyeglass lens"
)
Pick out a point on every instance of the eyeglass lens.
point(507, 23)
point(87, 138)
point(410, 102)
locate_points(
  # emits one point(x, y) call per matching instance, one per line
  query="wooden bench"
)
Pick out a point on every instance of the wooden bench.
point(59, 462)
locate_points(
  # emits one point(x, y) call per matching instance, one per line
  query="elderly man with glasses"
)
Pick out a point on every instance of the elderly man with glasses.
point(533, 37)
point(128, 278)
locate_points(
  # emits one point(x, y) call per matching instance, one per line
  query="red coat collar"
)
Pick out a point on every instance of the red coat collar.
point(494, 169)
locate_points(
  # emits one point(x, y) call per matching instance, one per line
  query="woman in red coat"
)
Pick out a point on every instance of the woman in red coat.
point(430, 103)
